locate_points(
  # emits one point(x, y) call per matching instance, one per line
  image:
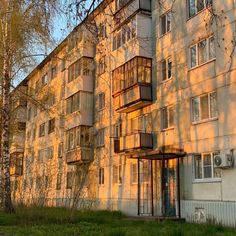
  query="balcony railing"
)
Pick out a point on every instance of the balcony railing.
point(134, 142)
point(138, 96)
point(79, 155)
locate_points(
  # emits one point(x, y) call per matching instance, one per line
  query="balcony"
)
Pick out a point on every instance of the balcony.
point(126, 8)
point(132, 87)
point(131, 99)
point(79, 155)
point(132, 142)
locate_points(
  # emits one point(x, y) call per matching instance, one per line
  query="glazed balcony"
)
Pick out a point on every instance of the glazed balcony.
point(79, 148)
point(137, 141)
point(126, 8)
point(132, 87)
point(79, 155)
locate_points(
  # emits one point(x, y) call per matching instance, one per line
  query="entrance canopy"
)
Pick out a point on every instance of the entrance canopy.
point(164, 152)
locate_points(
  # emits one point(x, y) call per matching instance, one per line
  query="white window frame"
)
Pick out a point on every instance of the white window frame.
point(199, 108)
point(195, 8)
point(167, 16)
point(130, 29)
point(208, 58)
point(101, 137)
point(45, 79)
point(101, 65)
point(167, 108)
point(101, 101)
point(117, 174)
point(167, 77)
point(203, 179)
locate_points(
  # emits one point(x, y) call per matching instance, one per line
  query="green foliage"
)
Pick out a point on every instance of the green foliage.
point(59, 221)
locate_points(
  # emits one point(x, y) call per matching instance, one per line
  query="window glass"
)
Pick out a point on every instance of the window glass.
point(193, 56)
point(169, 66)
point(202, 52)
point(212, 48)
point(213, 105)
point(207, 165)
point(196, 110)
point(198, 166)
point(192, 8)
point(204, 107)
point(200, 5)
point(101, 176)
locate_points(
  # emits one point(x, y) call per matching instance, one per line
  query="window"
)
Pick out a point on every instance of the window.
point(83, 66)
point(102, 30)
point(51, 126)
point(41, 155)
point(141, 123)
point(50, 152)
point(101, 66)
point(44, 80)
point(63, 64)
point(42, 130)
point(73, 103)
point(101, 176)
point(101, 101)
point(70, 180)
point(166, 69)
point(59, 177)
point(29, 113)
point(50, 100)
point(117, 174)
point(33, 133)
point(204, 107)
point(60, 150)
point(202, 52)
point(117, 130)
point(167, 117)
point(53, 72)
point(134, 173)
point(21, 126)
point(165, 21)
point(126, 33)
point(74, 39)
point(204, 167)
point(100, 137)
point(195, 6)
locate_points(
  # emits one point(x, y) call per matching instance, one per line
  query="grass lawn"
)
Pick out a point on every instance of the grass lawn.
point(55, 221)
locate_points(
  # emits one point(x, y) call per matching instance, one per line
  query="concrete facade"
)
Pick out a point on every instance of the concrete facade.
point(143, 108)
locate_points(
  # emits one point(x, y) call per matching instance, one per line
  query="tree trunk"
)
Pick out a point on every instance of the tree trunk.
point(8, 206)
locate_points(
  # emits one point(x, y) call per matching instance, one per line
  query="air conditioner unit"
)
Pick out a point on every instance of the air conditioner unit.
point(224, 161)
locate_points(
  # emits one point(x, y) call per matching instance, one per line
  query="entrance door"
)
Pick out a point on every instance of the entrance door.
point(169, 187)
point(145, 188)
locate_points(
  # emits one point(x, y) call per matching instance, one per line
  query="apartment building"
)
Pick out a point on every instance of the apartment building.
point(134, 111)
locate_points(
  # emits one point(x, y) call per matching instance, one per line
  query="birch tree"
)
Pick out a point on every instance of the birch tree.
point(24, 25)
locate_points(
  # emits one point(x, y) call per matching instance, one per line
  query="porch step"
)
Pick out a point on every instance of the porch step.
point(156, 218)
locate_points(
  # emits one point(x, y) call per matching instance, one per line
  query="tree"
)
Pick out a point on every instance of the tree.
point(24, 25)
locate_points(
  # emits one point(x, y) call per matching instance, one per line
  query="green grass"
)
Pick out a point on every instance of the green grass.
point(58, 221)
